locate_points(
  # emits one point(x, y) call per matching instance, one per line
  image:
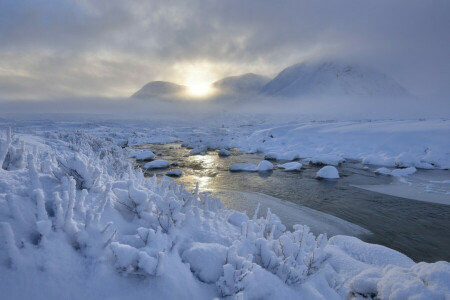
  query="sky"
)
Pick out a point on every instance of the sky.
point(111, 48)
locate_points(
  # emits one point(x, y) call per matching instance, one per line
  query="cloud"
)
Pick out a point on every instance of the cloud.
point(112, 47)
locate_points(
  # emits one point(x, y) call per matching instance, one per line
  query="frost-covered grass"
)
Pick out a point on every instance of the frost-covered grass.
point(78, 221)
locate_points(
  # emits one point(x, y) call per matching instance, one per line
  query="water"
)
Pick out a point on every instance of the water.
point(417, 229)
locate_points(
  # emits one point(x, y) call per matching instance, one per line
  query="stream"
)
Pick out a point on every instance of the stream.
point(416, 228)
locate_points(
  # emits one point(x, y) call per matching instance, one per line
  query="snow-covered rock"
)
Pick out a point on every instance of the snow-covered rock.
point(224, 152)
point(396, 172)
point(175, 173)
point(199, 150)
point(383, 171)
point(291, 166)
point(328, 172)
point(157, 164)
point(263, 166)
point(144, 155)
point(403, 172)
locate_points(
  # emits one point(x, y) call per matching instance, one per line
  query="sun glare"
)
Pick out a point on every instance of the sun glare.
point(197, 77)
point(199, 89)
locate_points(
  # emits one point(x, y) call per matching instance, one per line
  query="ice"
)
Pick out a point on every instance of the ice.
point(328, 172)
point(157, 164)
point(290, 212)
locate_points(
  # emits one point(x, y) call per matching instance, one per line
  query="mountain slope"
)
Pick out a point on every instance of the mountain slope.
point(159, 89)
point(332, 78)
point(243, 84)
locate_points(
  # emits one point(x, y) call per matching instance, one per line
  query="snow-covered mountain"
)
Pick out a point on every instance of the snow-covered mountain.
point(243, 84)
point(160, 89)
point(324, 79)
point(332, 79)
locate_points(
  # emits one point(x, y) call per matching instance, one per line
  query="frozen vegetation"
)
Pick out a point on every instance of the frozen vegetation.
point(78, 221)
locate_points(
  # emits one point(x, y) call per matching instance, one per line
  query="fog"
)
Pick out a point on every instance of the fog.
point(111, 48)
point(279, 109)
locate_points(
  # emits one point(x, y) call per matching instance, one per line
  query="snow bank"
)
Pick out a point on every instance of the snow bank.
point(327, 159)
point(157, 164)
point(328, 172)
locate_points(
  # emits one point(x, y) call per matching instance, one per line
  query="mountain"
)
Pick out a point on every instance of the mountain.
point(160, 89)
point(332, 79)
point(244, 84)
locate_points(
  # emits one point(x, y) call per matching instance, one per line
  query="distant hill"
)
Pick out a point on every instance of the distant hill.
point(332, 79)
point(249, 83)
point(160, 89)
point(325, 79)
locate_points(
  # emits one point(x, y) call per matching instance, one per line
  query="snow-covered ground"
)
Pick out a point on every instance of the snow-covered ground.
point(79, 222)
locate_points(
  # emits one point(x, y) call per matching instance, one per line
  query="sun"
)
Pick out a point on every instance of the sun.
point(198, 77)
point(199, 89)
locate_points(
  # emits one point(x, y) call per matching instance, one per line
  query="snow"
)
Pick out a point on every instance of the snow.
point(291, 166)
point(224, 152)
point(404, 172)
point(396, 172)
point(143, 155)
point(199, 150)
point(206, 260)
point(332, 78)
point(244, 84)
point(328, 172)
point(263, 166)
point(157, 164)
point(77, 218)
point(327, 159)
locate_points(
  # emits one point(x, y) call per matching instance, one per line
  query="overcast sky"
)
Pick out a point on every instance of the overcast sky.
point(112, 47)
